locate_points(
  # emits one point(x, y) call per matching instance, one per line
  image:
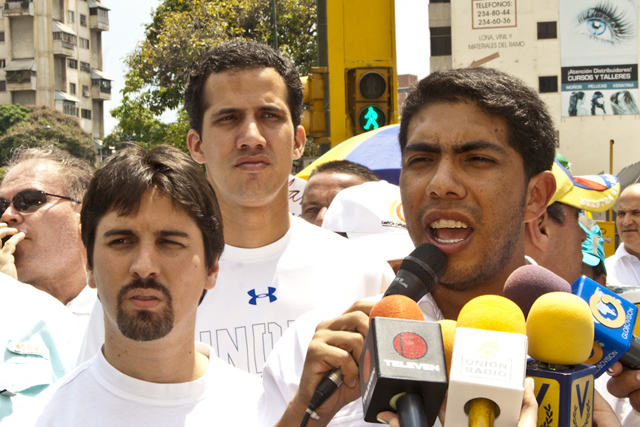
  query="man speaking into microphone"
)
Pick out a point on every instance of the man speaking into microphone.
point(477, 150)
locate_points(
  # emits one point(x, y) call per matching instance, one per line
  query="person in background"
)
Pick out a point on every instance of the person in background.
point(624, 265)
point(40, 200)
point(326, 181)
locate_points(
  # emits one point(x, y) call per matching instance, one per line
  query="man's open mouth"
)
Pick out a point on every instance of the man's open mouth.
point(449, 231)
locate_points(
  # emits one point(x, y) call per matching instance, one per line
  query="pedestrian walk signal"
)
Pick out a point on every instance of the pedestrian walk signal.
point(371, 118)
point(369, 91)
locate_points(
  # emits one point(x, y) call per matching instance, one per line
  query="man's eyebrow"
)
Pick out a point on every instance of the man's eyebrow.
point(479, 146)
point(129, 232)
point(424, 147)
point(272, 108)
point(223, 111)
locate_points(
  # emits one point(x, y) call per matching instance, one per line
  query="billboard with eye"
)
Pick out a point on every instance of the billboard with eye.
point(599, 57)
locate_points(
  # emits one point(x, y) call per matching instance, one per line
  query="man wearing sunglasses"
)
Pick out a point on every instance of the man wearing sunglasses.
point(40, 201)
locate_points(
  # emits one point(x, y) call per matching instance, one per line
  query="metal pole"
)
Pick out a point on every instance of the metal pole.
point(274, 25)
point(611, 172)
point(323, 61)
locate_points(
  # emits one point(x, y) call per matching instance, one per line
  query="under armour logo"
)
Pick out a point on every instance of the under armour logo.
point(254, 296)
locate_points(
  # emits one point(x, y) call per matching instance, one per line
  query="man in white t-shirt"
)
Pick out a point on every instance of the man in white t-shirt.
point(244, 102)
point(153, 234)
point(624, 265)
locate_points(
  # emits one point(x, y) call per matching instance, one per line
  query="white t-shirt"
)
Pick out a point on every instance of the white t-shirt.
point(260, 292)
point(623, 267)
point(96, 394)
point(82, 304)
point(283, 369)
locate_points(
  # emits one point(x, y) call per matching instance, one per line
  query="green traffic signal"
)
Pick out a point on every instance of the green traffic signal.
point(371, 118)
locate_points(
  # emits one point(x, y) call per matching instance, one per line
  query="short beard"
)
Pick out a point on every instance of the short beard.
point(480, 276)
point(145, 325)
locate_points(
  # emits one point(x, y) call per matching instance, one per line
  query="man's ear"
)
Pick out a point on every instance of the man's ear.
point(539, 191)
point(212, 275)
point(195, 146)
point(90, 279)
point(537, 233)
point(299, 140)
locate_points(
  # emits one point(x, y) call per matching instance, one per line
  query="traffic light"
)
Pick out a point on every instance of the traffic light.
point(313, 120)
point(370, 94)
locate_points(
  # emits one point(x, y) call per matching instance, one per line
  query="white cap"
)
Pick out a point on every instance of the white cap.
point(371, 216)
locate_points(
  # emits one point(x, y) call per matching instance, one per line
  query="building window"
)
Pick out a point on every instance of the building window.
point(69, 108)
point(84, 43)
point(85, 91)
point(3, 63)
point(72, 88)
point(440, 41)
point(548, 84)
point(83, 20)
point(85, 66)
point(2, 36)
point(86, 114)
point(3, 85)
point(71, 17)
point(66, 38)
point(72, 63)
point(547, 30)
point(105, 85)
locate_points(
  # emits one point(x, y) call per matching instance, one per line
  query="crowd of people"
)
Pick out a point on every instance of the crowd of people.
point(167, 296)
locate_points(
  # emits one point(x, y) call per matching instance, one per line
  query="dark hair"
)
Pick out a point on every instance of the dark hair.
point(555, 212)
point(75, 172)
point(347, 167)
point(123, 179)
point(530, 127)
point(597, 95)
point(573, 102)
point(235, 56)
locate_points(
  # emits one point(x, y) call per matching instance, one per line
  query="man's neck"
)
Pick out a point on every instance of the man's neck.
point(165, 361)
point(450, 302)
point(255, 227)
point(631, 251)
point(64, 288)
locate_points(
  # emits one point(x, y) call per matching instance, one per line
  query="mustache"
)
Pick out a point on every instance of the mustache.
point(140, 283)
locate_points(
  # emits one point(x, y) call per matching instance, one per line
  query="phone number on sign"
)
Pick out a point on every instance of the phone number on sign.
point(496, 21)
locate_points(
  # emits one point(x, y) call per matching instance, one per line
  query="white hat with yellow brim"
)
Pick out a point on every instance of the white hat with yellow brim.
point(595, 193)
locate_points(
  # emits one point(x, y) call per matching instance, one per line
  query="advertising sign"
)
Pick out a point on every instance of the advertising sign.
point(599, 57)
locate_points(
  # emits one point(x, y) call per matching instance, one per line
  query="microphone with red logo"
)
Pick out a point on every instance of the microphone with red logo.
point(402, 364)
point(488, 364)
point(418, 275)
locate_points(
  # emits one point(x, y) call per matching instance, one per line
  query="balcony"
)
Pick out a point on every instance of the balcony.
point(18, 8)
point(100, 85)
point(21, 74)
point(64, 40)
point(66, 103)
point(98, 16)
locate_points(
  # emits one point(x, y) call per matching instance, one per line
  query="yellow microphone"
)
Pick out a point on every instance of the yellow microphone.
point(488, 364)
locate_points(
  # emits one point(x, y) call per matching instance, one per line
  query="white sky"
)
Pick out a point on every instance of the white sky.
point(128, 17)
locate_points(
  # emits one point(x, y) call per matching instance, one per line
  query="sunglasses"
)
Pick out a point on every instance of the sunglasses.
point(29, 201)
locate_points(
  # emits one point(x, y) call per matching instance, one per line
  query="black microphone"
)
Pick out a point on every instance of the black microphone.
point(418, 275)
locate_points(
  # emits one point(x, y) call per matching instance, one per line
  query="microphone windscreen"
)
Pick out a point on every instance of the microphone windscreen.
point(423, 258)
point(492, 313)
point(397, 307)
point(448, 328)
point(527, 283)
point(560, 329)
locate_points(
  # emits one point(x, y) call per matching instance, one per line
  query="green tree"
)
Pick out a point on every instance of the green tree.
point(48, 126)
point(180, 32)
point(10, 114)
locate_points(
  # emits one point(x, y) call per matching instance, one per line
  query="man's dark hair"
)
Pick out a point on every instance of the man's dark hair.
point(530, 127)
point(124, 178)
point(76, 173)
point(347, 167)
point(555, 212)
point(238, 56)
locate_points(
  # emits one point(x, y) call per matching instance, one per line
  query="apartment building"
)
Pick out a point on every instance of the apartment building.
point(581, 56)
point(51, 54)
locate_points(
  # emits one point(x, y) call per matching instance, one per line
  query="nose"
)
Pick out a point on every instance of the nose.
point(625, 220)
point(251, 136)
point(11, 215)
point(320, 218)
point(445, 182)
point(144, 263)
